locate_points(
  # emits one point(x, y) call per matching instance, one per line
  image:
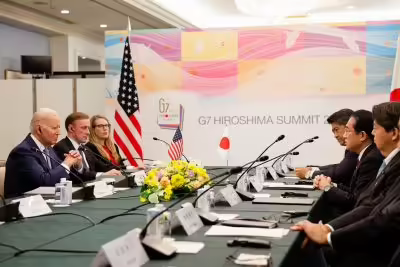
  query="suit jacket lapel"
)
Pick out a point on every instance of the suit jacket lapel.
point(387, 169)
point(38, 154)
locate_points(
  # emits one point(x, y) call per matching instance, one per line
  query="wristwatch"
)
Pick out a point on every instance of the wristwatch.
point(327, 188)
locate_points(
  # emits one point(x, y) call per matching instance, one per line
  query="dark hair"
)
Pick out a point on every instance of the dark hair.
point(364, 122)
point(387, 115)
point(340, 117)
point(75, 117)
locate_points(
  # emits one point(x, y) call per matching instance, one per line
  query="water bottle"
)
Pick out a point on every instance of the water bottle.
point(64, 196)
point(156, 228)
point(203, 203)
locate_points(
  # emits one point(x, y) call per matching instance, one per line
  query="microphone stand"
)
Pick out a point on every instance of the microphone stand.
point(247, 196)
point(309, 140)
point(87, 190)
point(157, 249)
point(157, 139)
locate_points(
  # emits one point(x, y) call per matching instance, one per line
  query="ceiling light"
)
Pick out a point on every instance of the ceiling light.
point(83, 57)
point(350, 7)
point(65, 11)
point(103, 25)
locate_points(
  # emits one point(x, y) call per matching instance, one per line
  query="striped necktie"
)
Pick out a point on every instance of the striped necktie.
point(47, 151)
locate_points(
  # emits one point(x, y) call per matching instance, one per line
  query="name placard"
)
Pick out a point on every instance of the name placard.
point(229, 194)
point(125, 251)
point(273, 173)
point(139, 177)
point(189, 219)
point(33, 206)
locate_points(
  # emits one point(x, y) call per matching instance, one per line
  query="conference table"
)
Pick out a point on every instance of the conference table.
point(72, 232)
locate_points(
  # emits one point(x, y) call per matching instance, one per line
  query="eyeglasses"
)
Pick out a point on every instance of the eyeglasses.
point(102, 126)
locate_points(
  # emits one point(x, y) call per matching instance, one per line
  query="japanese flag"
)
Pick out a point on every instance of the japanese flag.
point(224, 144)
point(395, 92)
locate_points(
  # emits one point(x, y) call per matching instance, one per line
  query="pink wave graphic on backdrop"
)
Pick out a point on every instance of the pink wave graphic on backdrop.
point(210, 78)
point(166, 43)
point(272, 43)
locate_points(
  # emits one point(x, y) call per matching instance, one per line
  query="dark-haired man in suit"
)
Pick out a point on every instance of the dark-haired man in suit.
point(369, 234)
point(342, 172)
point(359, 139)
point(77, 125)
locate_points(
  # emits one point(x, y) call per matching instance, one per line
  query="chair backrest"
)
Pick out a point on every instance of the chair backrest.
point(2, 176)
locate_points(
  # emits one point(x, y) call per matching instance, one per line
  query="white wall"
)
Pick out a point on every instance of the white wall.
point(15, 42)
point(16, 108)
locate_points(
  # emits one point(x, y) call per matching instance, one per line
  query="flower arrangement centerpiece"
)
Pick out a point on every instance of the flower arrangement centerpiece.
point(179, 177)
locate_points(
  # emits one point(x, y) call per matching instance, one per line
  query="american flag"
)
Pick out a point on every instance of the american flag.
point(175, 150)
point(128, 132)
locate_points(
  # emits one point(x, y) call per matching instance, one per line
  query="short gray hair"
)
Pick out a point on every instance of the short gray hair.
point(39, 115)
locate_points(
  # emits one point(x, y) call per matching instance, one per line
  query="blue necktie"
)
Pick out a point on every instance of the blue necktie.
point(47, 151)
point(381, 168)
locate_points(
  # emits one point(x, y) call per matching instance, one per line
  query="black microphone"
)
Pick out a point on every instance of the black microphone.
point(87, 190)
point(9, 212)
point(157, 139)
point(246, 195)
point(309, 140)
point(295, 153)
point(156, 249)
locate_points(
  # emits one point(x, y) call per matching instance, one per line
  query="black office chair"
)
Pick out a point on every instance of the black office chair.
point(395, 262)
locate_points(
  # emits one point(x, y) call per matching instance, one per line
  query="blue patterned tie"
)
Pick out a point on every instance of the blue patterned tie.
point(381, 168)
point(47, 151)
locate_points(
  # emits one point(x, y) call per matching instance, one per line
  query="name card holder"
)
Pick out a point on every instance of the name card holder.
point(125, 251)
point(189, 219)
point(256, 184)
point(272, 172)
point(230, 196)
point(33, 206)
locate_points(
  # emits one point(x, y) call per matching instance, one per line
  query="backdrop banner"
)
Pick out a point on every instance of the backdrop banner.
point(261, 82)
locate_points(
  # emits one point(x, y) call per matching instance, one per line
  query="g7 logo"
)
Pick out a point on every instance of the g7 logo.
point(163, 106)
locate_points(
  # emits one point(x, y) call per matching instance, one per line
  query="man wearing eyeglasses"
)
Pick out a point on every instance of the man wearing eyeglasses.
point(77, 125)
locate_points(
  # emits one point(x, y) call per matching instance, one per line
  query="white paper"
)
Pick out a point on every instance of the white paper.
point(57, 202)
point(33, 206)
point(117, 189)
point(292, 186)
point(101, 189)
point(221, 230)
point(273, 184)
point(257, 195)
point(224, 217)
point(187, 247)
point(291, 177)
point(47, 190)
point(252, 260)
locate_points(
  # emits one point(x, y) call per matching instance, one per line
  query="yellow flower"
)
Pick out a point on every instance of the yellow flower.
point(168, 192)
point(177, 181)
point(143, 199)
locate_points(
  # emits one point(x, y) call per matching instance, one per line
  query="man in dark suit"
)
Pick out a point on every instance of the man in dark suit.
point(77, 125)
point(369, 234)
point(27, 168)
point(342, 172)
point(359, 139)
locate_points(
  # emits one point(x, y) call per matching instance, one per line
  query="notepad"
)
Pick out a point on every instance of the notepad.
point(186, 247)
point(224, 217)
point(221, 230)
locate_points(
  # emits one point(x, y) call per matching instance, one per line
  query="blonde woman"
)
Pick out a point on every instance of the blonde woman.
point(100, 140)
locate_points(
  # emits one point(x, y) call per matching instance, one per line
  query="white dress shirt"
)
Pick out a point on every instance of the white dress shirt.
point(76, 146)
